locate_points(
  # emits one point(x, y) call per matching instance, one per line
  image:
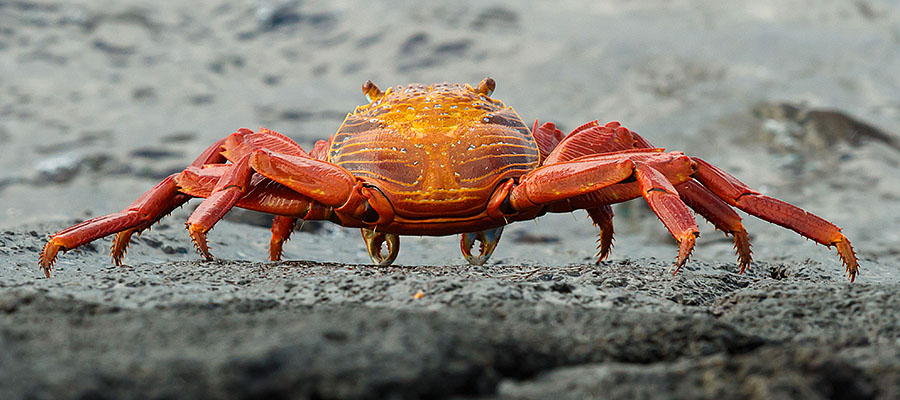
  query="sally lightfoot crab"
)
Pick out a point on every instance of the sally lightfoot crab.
point(446, 159)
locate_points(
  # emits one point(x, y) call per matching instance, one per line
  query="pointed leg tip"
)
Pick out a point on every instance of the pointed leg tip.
point(120, 246)
point(848, 257)
point(685, 247)
point(198, 236)
point(48, 257)
point(275, 251)
point(675, 267)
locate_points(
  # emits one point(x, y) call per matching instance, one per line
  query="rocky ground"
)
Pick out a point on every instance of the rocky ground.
point(99, 100)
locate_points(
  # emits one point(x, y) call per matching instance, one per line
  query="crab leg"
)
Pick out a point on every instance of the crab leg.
point(674, 214)
point(323, 183)
point(140, 214)
point(263, 195)
point(603, 219)
point(739, 195)
point(579, 177)
point(375, 242)
point(225, 194)
point(282, 227)
point(488, 239)
point(722, 216)
point(240, 147)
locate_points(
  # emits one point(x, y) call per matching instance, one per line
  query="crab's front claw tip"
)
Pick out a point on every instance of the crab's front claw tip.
point(375, 242)
point(488, 239)
point(198, 236)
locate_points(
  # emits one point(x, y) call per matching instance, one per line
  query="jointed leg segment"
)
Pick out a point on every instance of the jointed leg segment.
point(143, 212)
point(289, 184)
point(739, 195)
point(671, 183)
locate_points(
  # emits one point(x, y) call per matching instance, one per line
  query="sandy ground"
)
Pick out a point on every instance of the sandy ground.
point(99, 100)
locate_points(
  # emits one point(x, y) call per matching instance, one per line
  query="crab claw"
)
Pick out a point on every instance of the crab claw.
point(488, 239)
point(375, 241)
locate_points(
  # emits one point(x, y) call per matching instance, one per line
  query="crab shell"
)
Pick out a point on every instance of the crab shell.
point(436, 153)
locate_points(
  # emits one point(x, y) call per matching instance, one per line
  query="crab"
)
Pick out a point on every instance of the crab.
point(446, 159)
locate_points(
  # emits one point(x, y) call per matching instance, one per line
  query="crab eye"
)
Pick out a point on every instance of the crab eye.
point(486, 87)
point(371, 91)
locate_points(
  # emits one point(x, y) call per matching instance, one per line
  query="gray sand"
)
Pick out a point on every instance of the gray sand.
point(800, 100)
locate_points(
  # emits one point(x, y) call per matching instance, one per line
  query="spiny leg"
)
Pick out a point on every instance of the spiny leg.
point(603, 218)
point(739, 195)
point(282, 227)
point(227, 192)
point(123, 238)
point(710, 206)
point(664, 200)
point(488, 239)
point(262, 195)
point(607, 177)
point(154, 204)
point(375, 242)
point(722, 216)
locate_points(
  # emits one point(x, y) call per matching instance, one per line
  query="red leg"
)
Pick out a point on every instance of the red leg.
point(323, 182)
point(282, 227)
point(143, 212)
point(263, 195)
point(712, 208)
point(674, 214)
point(547, 137)
point(561, 181)
point(591, 138)
point(722, 216)
point(586, 175)
point(225, 194)
point(738, 194)
point(603, 219)
point(601, 215)
point(245, 141)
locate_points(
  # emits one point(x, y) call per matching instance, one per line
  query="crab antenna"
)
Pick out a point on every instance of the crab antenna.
point(486, 87)
point(371, 91)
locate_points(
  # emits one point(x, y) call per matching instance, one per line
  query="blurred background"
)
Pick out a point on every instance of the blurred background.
point(101, 99)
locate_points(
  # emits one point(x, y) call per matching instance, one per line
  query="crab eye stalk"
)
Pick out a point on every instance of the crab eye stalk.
point(371, 91)
point(486, 87)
